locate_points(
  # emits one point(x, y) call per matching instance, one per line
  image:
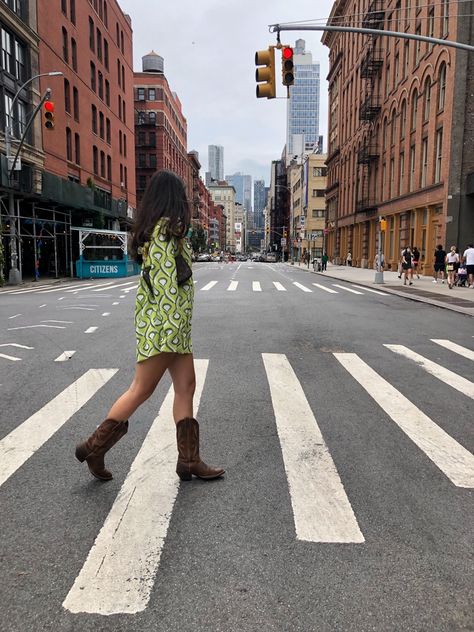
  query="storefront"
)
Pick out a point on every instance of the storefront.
point(103, 254)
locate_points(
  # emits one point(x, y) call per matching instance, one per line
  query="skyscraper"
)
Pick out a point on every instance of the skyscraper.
point(243, 189)
point(302, 132)
point(259, 201)
point(216, 162)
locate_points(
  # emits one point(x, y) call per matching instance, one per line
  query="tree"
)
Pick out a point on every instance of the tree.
point(198, 239)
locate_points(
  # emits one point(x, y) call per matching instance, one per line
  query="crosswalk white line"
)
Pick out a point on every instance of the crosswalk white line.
point(322, 511)
point(347, 289)
point(91, 330)
point(279, 286)
point(256, 287)
point(17, 447)
point(233, 286)
point(64, 357)
point(453, 346)
point(368, 289)
point(302, 287)
point(448, 455)
point(92, 285)
point(114, 287)
point(209, 286)
point(16, 345)
point(326, 289)
point(37, 327)
point(62, 288)
point(119, 573)
point(445, 375)
point(10, 358)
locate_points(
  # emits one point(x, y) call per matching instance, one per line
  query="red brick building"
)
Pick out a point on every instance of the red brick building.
point(399, 131)
point(160, 126)
point(93, 140)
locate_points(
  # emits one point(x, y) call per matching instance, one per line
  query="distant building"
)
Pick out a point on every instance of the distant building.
point(224, 194)
point(303, 105)
point(216, 162)
point(259, 200)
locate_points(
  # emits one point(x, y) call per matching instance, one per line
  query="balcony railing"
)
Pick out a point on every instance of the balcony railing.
point(369, 109)
point(371, 64)
point(375, 16)
point(367, 154)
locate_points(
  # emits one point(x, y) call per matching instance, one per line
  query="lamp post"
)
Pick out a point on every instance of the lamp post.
point(283, 186)
point(14, 276)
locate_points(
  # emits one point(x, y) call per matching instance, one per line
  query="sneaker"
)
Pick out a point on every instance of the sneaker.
point(410, 283)
point(442, 281)
point(435, 281)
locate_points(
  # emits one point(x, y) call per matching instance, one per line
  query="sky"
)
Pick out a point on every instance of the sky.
point(208, 48)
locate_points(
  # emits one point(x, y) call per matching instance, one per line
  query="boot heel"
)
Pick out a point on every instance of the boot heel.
point(81, 453)
point(185, 476)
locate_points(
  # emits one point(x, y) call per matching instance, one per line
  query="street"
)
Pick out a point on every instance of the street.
point(341, 416)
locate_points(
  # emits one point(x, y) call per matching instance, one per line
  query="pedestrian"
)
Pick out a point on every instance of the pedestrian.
point(452, 261)
point(416, 261)
point(439, 263)
point(407, 265)
point(376, 261)
point(324, 262)
point(163, 314)
point(468, 260)
point(349, 259)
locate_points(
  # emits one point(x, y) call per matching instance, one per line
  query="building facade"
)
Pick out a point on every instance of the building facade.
point(303, 105)
point(277, 212)
point(243, 189)
point(216, 164)
point(223, 194)
point(259, 200)
point(400, 120)
point(160, 125)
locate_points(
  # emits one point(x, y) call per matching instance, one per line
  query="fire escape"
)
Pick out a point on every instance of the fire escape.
point(369, 111)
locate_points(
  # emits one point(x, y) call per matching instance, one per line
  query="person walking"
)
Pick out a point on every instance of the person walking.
point(439, 263)
point(468, 260)
point(416, 261)
point(452, 261)
point(324, 262)
point(349, 259)
point(163, 315)
point(407, 266)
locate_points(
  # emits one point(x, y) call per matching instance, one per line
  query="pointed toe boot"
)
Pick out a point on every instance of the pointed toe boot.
point(189, 460)
point(95, 447)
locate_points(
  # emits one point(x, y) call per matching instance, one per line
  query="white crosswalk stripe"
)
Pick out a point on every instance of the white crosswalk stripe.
point(233, 286)
point(209, 286)
point(452, 346)
point(326, 289)
point(256, 287)
point(368, 289)
point(301, 286)
point(346, 289)
point(279, 286)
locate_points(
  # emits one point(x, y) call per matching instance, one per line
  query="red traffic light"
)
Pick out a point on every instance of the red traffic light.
point(49, 106)
point(287, 52)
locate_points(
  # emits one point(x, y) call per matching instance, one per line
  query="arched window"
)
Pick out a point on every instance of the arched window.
point(403, 119)
point(75, 100)
point(384, 134)
point(67, 96)
point(393, 127)
point(414, 111)
point(68, 144)
point(442, 87)
point(427, 99)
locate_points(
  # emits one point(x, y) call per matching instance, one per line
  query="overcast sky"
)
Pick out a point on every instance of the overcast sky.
point(209, 48)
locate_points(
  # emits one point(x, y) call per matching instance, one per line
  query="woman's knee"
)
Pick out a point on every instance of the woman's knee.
point(185, 387)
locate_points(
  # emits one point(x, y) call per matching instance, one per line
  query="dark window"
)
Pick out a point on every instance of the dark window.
point(20, 61)
point(73, 11)
point(124, 145)
point(74, 54)
point(64, 6)
point(106, 14)
point(141, 138)
point(67, 96)
point(108, 130)
point(102, 164)
point(120, 141)
point(141, 118)
point(118, 72)
point(151, 94)
point(101, 125)
point(117, 34)
point(152, 139)
point(77, 146)
point(93, 77)
point(7, 50)
point(152, 158)
point(141, 94)
point(101, 12)
point(142, 182)
point(142, 160)
point(122, 46)
point(101, 84)
point(109, 168)
point(121, 176)
point(107, 92)
point(91, 35)
point(75, 100)
point(124, 113)
point(94, 119)
point(68, 144)
point(152, 117)
point(106, 53)
point(65, 46)
point(120, 107)
point(99, 44)
point(125, 172)
point(123, 78)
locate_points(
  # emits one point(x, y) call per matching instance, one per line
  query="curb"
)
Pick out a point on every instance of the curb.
point(420, 299)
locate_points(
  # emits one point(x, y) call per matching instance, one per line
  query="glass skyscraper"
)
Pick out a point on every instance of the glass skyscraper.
point(303, 105)
point(216, 162)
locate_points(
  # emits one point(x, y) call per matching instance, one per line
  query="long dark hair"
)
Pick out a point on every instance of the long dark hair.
point(165, 197)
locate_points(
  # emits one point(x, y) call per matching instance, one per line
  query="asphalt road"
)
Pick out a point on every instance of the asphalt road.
point(347, 500)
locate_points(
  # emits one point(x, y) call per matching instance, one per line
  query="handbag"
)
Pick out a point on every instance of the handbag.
point(450, 267)
point(183, 271)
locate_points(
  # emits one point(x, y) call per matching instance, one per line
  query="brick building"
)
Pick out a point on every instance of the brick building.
point(400, 122)
point(160, 126)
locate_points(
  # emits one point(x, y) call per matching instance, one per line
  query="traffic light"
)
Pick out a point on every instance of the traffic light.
point(49, 115)
point(265, 77)
point(383, 225)
point(287, 66)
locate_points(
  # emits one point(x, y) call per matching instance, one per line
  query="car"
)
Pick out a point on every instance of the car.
point(204, 257)
point(271, 257)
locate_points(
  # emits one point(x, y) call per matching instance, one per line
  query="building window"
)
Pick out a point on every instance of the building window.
point(442, 87)
point(124, 113)
point(152, 118)
point(120, 142)
point(67, 96)
point(94, 119)
point(393, 128)
point(414, 110)
point(106, 15)
point(384, 134)
point(431, 26)
point(396, 70)
point(93, 77)
point(75, 101)
point(91, 35)
point(64, 7)
point(102, 164)
point(101, 125)
point(444, 17)
point(117, 34)
point(72, 7)
point(108, 131)
point(125, 145)
point(119, 75)
point(121, 176)
point(407, 13)
point(387, 80)
point(152, 139)
point(384, 179)
point(123, 78)
point(109, 168)
point(68, 144)
point(122, 44)
point(151, 94)
point(142, 160)
point(65, 46)
point(403, 119)
point(7, 55)
point(427, 100)
point(107, 92)
point(417, 46)
point(22, 112)
point(412, 167)
point(74, 54)
point(77, 149)
point(100, 77)
point(125, 173)
point(120, 107)
point(319, 172)
point(99, 44)
point(401, 181)
point(152, 159)
point(106, 53)
point(424, 162)
point(392, 177)
point(20, 61)
point(439, 154)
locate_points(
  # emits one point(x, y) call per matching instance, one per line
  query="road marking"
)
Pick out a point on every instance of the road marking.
point(209, 286)
point(233, 286)
point(17, 447)
point(62, 298)
point(119, 573)
point(322, 511)
point(106, 314)
point(91, 330)
point(279, 286)
point(41, 306)
point(117, 303)
point(452, 346)
point(84, 309)
point(7, 357)
point(326, 289)
point(347, 289)
point(446, 453)
point(302, 287)
point(129, 289)
point(60, 322)
point(14, 344)
point(123, 296)
point(13, 317)
point(65, 287)
point(256, 287)
point(114, 287)
point(64, 357)
point(88, 287)
point(366, 289)
point(445, 375)
point(37, 327)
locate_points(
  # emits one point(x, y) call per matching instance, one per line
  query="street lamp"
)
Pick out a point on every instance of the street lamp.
point(14, 274)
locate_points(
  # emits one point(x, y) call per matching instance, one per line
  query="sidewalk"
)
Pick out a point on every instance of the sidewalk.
point(459, 299)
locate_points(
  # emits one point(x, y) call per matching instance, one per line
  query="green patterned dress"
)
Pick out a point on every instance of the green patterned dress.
point(163, 321)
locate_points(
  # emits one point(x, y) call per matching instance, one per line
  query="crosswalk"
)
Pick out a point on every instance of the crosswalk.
point(120, 571)
point(260, 286)
point(72, 288)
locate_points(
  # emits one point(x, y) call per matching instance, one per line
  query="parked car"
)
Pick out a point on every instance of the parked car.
point(271, 257)
point(204, 257)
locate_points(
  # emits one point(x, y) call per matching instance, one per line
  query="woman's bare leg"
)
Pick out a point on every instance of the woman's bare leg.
point(184, 383)
point(147, 375)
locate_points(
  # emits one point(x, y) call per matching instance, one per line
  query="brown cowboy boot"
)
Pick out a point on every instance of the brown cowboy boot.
point(100, 442)
point(189, 461)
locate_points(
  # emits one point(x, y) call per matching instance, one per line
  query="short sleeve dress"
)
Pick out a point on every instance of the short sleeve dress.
point(163, 319)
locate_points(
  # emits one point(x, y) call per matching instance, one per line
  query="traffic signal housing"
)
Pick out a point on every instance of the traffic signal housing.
point(383, 225)
point(48, 112)
point(265, 75)
point(287, 66)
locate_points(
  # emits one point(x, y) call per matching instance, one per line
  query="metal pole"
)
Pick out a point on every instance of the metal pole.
point(379, 272)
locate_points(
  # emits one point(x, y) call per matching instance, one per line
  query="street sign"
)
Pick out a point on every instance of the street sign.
point(283, 241)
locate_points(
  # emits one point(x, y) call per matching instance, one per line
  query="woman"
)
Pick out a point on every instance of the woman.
point(416, 261)
point(452, 264)
point(163, 314)
point(407, 258)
